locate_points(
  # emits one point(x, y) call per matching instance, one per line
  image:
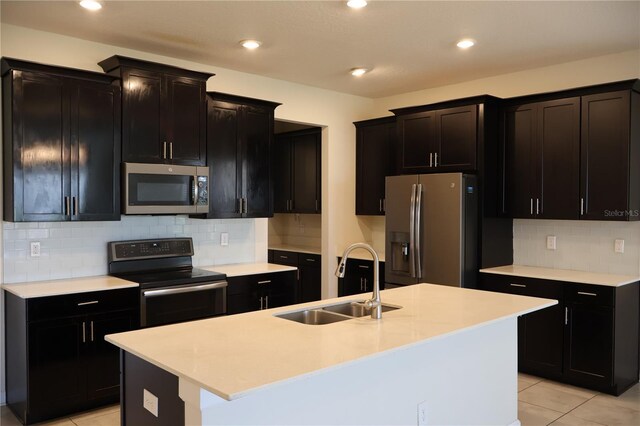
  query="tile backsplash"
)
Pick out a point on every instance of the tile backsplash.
point(77, 249)
point(581, 245)
point(300, 230)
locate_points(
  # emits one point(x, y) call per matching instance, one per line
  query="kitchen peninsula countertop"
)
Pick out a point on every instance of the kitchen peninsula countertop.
point(67, 286)
point(240, 269)
point(193, 350)
point(296, 249)
point(566, 275)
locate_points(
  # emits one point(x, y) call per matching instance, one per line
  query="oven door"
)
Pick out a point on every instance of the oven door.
point(168, 305)
point(165, 189)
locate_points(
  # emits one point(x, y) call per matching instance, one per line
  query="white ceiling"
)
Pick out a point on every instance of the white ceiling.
point(409, 44)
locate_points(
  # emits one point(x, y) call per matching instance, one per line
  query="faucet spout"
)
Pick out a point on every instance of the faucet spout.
point(375, 304)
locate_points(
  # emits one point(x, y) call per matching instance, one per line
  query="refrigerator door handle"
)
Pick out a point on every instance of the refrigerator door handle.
point(417, 238)
point(412, 233)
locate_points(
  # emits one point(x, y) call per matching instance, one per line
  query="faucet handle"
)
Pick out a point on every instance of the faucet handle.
point(369, 304)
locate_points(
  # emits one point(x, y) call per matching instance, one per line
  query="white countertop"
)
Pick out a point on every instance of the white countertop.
point(67, 286)
point(296, 249)
point(240, 269)
point(235, 355)
point(563, 275)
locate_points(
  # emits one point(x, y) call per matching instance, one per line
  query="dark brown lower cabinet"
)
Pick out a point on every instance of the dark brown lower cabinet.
point(261, 291)
point(309, 275)
point(57, 359)
point(590, 339)
point(358, 277)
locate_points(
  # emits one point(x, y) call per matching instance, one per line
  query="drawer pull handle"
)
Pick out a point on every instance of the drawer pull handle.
point(311, 260)
point(585, 293)
point(93, 302)
point(264, 282)
point(284, 257)
point(517, 285)
point(363, 266)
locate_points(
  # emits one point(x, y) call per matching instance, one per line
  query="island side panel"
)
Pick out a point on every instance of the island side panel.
point(139, 375)
point(469, 377)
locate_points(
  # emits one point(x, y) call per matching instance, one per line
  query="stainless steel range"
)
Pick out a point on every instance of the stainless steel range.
point(171, 289)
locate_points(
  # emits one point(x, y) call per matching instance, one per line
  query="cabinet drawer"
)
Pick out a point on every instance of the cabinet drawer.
point(248, 283)
point(589, 294)
point(285, 257)
point(359, 266)
point(309, 259)
point(522, 286)
point(82, 303)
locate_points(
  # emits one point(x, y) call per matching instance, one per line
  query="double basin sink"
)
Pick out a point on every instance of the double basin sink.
point(332, 313)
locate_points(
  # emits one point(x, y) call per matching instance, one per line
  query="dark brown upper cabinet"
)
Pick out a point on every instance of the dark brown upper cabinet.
point(296, 163)
point(239, 140)
point(542, 145)
point(573, 154)
point(375, 141)
point(61, 131)
point(437, 140)
point(163, 112)
point(610, 156)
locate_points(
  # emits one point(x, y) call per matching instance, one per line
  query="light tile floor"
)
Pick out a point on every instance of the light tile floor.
point(540, 402)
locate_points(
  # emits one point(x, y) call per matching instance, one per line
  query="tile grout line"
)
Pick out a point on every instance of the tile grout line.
point(579, 405)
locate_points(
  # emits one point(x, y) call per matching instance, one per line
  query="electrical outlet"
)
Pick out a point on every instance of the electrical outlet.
point(551, 242)
point(150, 402)
point(422, 413)
point(224, 238)
point(618, 246)
point(35, 249)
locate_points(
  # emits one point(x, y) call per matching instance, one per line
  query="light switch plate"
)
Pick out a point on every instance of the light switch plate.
point(150, 402)
point(224, 238)
point(618, 246)
point(551, 242)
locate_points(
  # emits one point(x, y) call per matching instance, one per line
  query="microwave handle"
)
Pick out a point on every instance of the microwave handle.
point(194, 190)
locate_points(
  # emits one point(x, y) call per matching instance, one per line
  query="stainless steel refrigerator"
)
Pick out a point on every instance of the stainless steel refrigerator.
point(431, 230)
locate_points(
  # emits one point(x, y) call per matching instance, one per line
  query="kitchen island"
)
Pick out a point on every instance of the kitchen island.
point(447, 356)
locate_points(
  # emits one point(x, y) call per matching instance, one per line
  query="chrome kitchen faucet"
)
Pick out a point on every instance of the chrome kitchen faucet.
point(375, 304)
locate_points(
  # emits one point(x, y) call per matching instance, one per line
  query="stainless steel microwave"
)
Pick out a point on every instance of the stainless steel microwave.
point(165, 189)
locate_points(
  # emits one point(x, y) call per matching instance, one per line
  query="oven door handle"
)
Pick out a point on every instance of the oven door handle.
point(178, 290)
point(194, 190)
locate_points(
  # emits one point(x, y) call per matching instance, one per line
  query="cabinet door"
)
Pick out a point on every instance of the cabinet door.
point(225, 168)
point(588, 354)
point(604, 148)
point(457, 139)
point(256, 146)
point(281, 162)
point(417, 140)
point(541, 341)
point(103, 360)
point(142, 117)
point(306, 173)
point(374, 161)
point(242, 295)
point(57, 368)
point(95, 152)
point(41, 172)
point(558, 131)
point(185, 121)
point(520, 160)
point(310, 284)
point(280, 290)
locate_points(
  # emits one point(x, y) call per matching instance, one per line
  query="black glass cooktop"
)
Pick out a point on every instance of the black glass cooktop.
point(162, 278)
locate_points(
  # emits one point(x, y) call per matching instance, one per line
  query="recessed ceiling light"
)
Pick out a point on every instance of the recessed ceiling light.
point(357, 72)
point(91, 4)
point(465, 44)
point(250, 44)
point(356, 4)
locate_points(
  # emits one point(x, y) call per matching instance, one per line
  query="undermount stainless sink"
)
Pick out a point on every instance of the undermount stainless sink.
point(313, 317)
point(334, 313)
point(356, 309)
